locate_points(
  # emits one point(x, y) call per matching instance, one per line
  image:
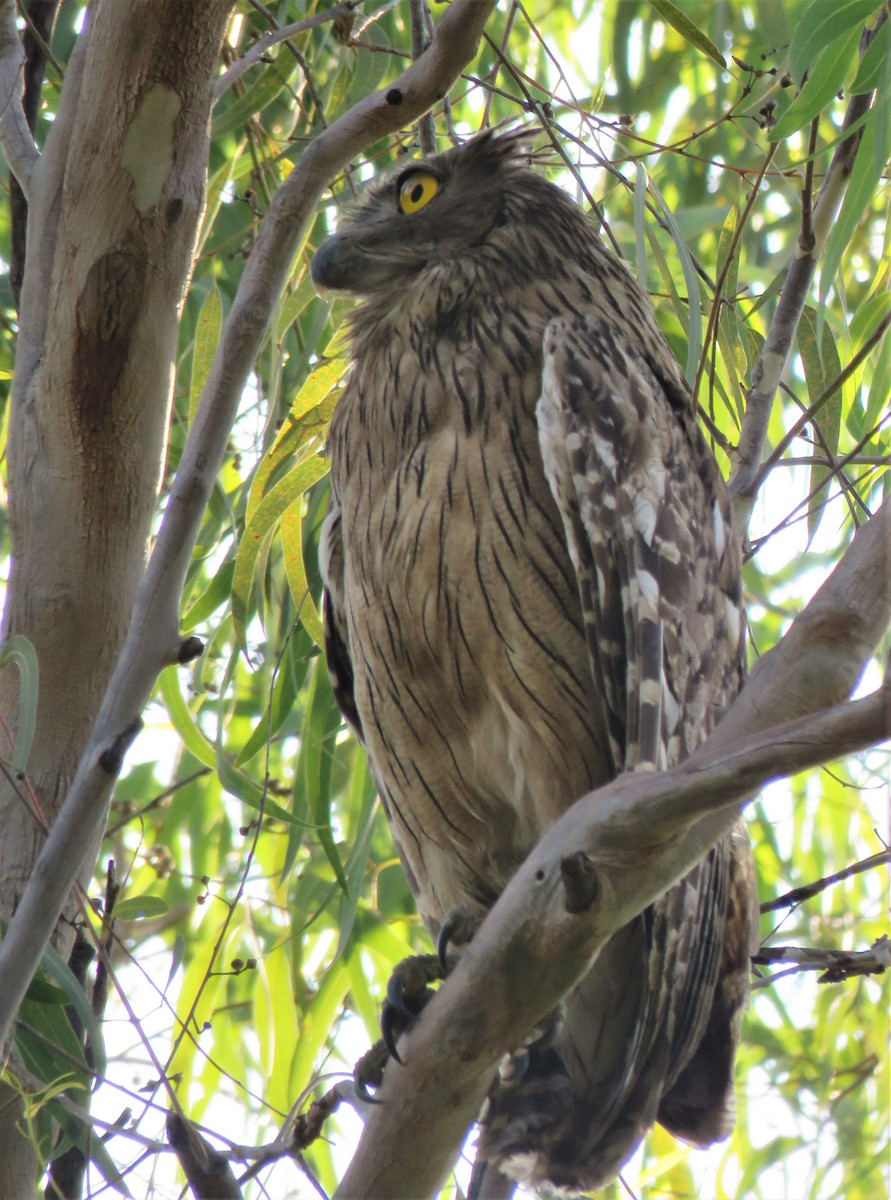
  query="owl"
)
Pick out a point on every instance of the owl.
point(532, 584)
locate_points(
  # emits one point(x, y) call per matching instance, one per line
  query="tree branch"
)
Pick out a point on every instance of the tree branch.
point(800, 895)
point(835, 965)
point(640, 834)
point(152, 641)
point(15, 136)
point(746, 477)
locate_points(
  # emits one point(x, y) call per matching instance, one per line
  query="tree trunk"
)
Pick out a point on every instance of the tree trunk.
point(114, 206)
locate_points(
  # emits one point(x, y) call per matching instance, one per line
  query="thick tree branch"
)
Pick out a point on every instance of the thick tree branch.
point(15, 136)
point(746, 476)
point(640, 834)
point(152, 641)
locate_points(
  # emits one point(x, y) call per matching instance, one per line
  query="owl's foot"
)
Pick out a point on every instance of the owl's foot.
point(368, 1072)
point(408, 992)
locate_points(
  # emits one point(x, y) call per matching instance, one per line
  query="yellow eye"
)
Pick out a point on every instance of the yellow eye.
point(417, 190)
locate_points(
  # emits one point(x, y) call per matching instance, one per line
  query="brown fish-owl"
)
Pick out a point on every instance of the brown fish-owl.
point(532, 584)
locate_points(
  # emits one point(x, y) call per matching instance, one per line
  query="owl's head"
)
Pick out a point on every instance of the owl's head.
point(427, 212)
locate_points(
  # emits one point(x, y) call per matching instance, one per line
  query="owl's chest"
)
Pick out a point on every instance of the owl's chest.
point(472, 675)
point(447, 515)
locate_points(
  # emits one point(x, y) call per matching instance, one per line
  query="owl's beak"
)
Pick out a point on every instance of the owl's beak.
point(328, 268)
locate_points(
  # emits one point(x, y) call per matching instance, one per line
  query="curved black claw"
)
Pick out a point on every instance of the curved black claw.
point(392, 1028)
point(457, 929)
point(407, 994)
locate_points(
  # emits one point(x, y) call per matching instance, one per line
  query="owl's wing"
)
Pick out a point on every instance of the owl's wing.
point(649, 530)
point(340, 665)
point(648, 525)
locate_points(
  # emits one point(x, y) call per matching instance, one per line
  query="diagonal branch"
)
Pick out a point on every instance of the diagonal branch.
point(153, 641)
point(746, 475)
point(15, 136)
point(640, 834)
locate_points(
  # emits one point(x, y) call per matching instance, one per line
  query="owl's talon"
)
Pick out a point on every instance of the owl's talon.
point(407, 995)
point(391, 1029)
point(363, 1093)
point(457, 929)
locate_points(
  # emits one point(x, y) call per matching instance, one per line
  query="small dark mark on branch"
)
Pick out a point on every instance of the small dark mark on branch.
point(111, 759)
point(581, 885)
point(394, 96)
point(189, 649)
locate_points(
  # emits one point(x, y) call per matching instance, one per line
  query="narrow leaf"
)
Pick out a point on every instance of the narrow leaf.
point(824, 80)
point(825, 21)
point(858, 198)
point(694, 305)
point(20, 652)
point(207, 338)
point(295, 569)
point(260, 524)
point(685, 27)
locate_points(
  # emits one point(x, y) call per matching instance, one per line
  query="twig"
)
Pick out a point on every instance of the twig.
point(208, 1172)
point(711, 332)
point(824, 397)
point(807, 891)
point(746, 477)
point(836, 965)
point(426, 128)
point(264, 44)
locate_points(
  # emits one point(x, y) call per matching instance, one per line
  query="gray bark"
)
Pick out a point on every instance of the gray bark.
point(114, 206)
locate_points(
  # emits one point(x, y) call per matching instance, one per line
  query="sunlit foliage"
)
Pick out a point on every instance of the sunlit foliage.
point(261, 908)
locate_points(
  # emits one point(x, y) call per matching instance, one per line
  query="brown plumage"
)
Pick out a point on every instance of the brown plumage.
point(532, 584)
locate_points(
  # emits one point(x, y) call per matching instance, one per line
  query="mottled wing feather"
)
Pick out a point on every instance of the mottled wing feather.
point(340, 666)
point(648, 529)
point(647, 524)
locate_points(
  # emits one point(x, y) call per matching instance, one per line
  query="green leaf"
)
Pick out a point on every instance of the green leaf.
point(364, 801)
point(825, 79)
point(693, 323)
point(214, 596)
point(140, 908)
point(685, 27)
point(862, 186)
point(267, 85)
point(293, 304)
point(260, 525)
point(821, 365)
point(207, 338)
point(874, 64)
point(317, 1021)
point(640, 223)
point(55, 965)
point(295, 568)
point(312, 777)
point(821, 24)
point(20, 652)
point(248, 790)
point(182, 720)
